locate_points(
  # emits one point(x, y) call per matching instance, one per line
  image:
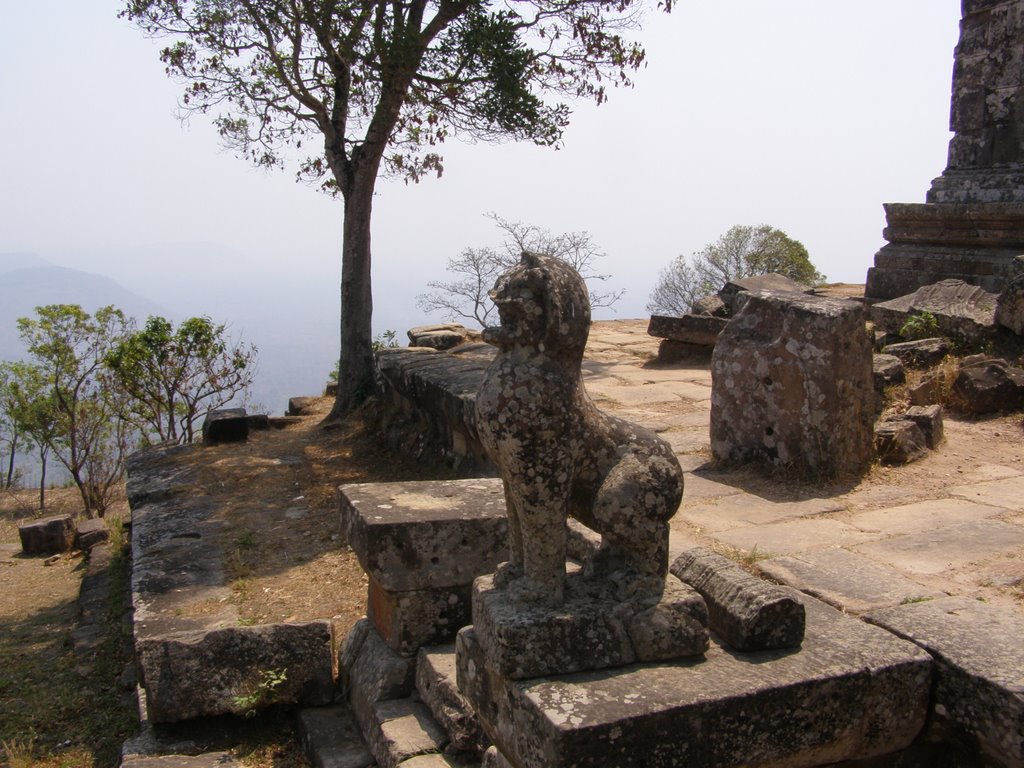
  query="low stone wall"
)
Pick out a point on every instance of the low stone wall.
point(426, 404)
point(194, 661)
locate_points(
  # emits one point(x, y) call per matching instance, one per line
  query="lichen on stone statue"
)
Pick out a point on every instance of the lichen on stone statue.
point(559, 455)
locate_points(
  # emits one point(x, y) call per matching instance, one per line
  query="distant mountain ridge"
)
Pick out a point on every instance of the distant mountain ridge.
point(28, 281)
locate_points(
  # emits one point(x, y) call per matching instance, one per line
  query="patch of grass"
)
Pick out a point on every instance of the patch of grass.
point(920, 325)
point(746, 559)
point(258, 692)
point(913, 600)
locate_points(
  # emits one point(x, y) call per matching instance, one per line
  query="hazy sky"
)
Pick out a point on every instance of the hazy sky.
point(803, 114)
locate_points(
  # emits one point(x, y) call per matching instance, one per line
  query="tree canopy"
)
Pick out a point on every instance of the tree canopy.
point(175, 376)
point(741, 252)
point(475, 270)
point(95, 387)
point(351, 89)
point(68, 390)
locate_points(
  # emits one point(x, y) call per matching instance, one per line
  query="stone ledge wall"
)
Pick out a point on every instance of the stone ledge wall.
point(426, 404)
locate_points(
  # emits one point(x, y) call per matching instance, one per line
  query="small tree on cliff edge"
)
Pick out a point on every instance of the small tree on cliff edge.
point(380, 83)
point(741, 252)
point(475, 270)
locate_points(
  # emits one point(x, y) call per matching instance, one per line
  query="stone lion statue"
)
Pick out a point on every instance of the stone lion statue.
point(559, 455)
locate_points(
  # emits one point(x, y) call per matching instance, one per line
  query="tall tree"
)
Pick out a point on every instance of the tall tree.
point(380, 84)
point(740, 252)
point(174, 376)
point(476, 269)
point(10, 430)
point(69, 348)
point(29, 403)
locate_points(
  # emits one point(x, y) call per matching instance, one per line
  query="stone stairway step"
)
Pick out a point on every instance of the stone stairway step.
point(403, 728)
point(330, 738)
point(208, 760)
point(439, 760)
point(435, 683)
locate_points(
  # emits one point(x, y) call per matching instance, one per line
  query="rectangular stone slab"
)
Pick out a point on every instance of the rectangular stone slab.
point(979, 652)
point(851, 691)
point(426, 535)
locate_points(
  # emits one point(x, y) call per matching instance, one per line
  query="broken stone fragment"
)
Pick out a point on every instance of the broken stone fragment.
point(89, 533)
point(730, 293)
point(48, 536)
point(710, 305)
point(888, 371)
point(960, 310)
point(701, 330)
point(440, 337)
point(929, 419)
point(928, 391)
point(1010, 307)
point(228, 425)
point(990, 386)
point(748, 613)
point(300, 406)
point(899, 441)
point(923, 353)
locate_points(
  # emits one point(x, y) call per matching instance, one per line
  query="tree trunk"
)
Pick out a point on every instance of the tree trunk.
point(356, 366)
point(42, 483)
point(10, 461)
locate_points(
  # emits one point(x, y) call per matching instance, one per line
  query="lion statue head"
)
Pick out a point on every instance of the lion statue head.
point(543, 303)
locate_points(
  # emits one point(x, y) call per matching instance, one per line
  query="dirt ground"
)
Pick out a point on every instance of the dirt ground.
point(277, 498)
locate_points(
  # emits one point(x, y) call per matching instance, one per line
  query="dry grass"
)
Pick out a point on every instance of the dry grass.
point(54, 710)
point(277, 496)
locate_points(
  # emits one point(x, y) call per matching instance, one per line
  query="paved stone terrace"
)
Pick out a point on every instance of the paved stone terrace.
point(951, 523)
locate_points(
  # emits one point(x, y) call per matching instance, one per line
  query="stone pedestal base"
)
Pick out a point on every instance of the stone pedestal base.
point(853, 691)
point(590, 631)
point(973, 242)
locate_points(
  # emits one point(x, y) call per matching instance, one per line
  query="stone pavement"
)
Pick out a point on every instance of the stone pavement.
point(952, 523)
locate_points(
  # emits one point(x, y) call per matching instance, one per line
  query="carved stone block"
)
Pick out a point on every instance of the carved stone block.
point(590, 630)
point(748, 613)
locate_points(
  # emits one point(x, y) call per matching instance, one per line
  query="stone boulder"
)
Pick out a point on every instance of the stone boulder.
point(961, 310)
point(923, 353)
point(701, 330)
point(300, 406)
point(792, 385)
point(754, 283)
point(671, 351)
point(929, 420)
point(899, 441)
point(928, 391)
point(440, 337)
point(89, 533)
point(47, 536)
point(888, 371)
point(1010, 306)
point(228, 425)
point(710, 305)
point(990, 386)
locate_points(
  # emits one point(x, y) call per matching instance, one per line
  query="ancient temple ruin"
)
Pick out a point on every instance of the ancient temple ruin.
point(972, 225)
